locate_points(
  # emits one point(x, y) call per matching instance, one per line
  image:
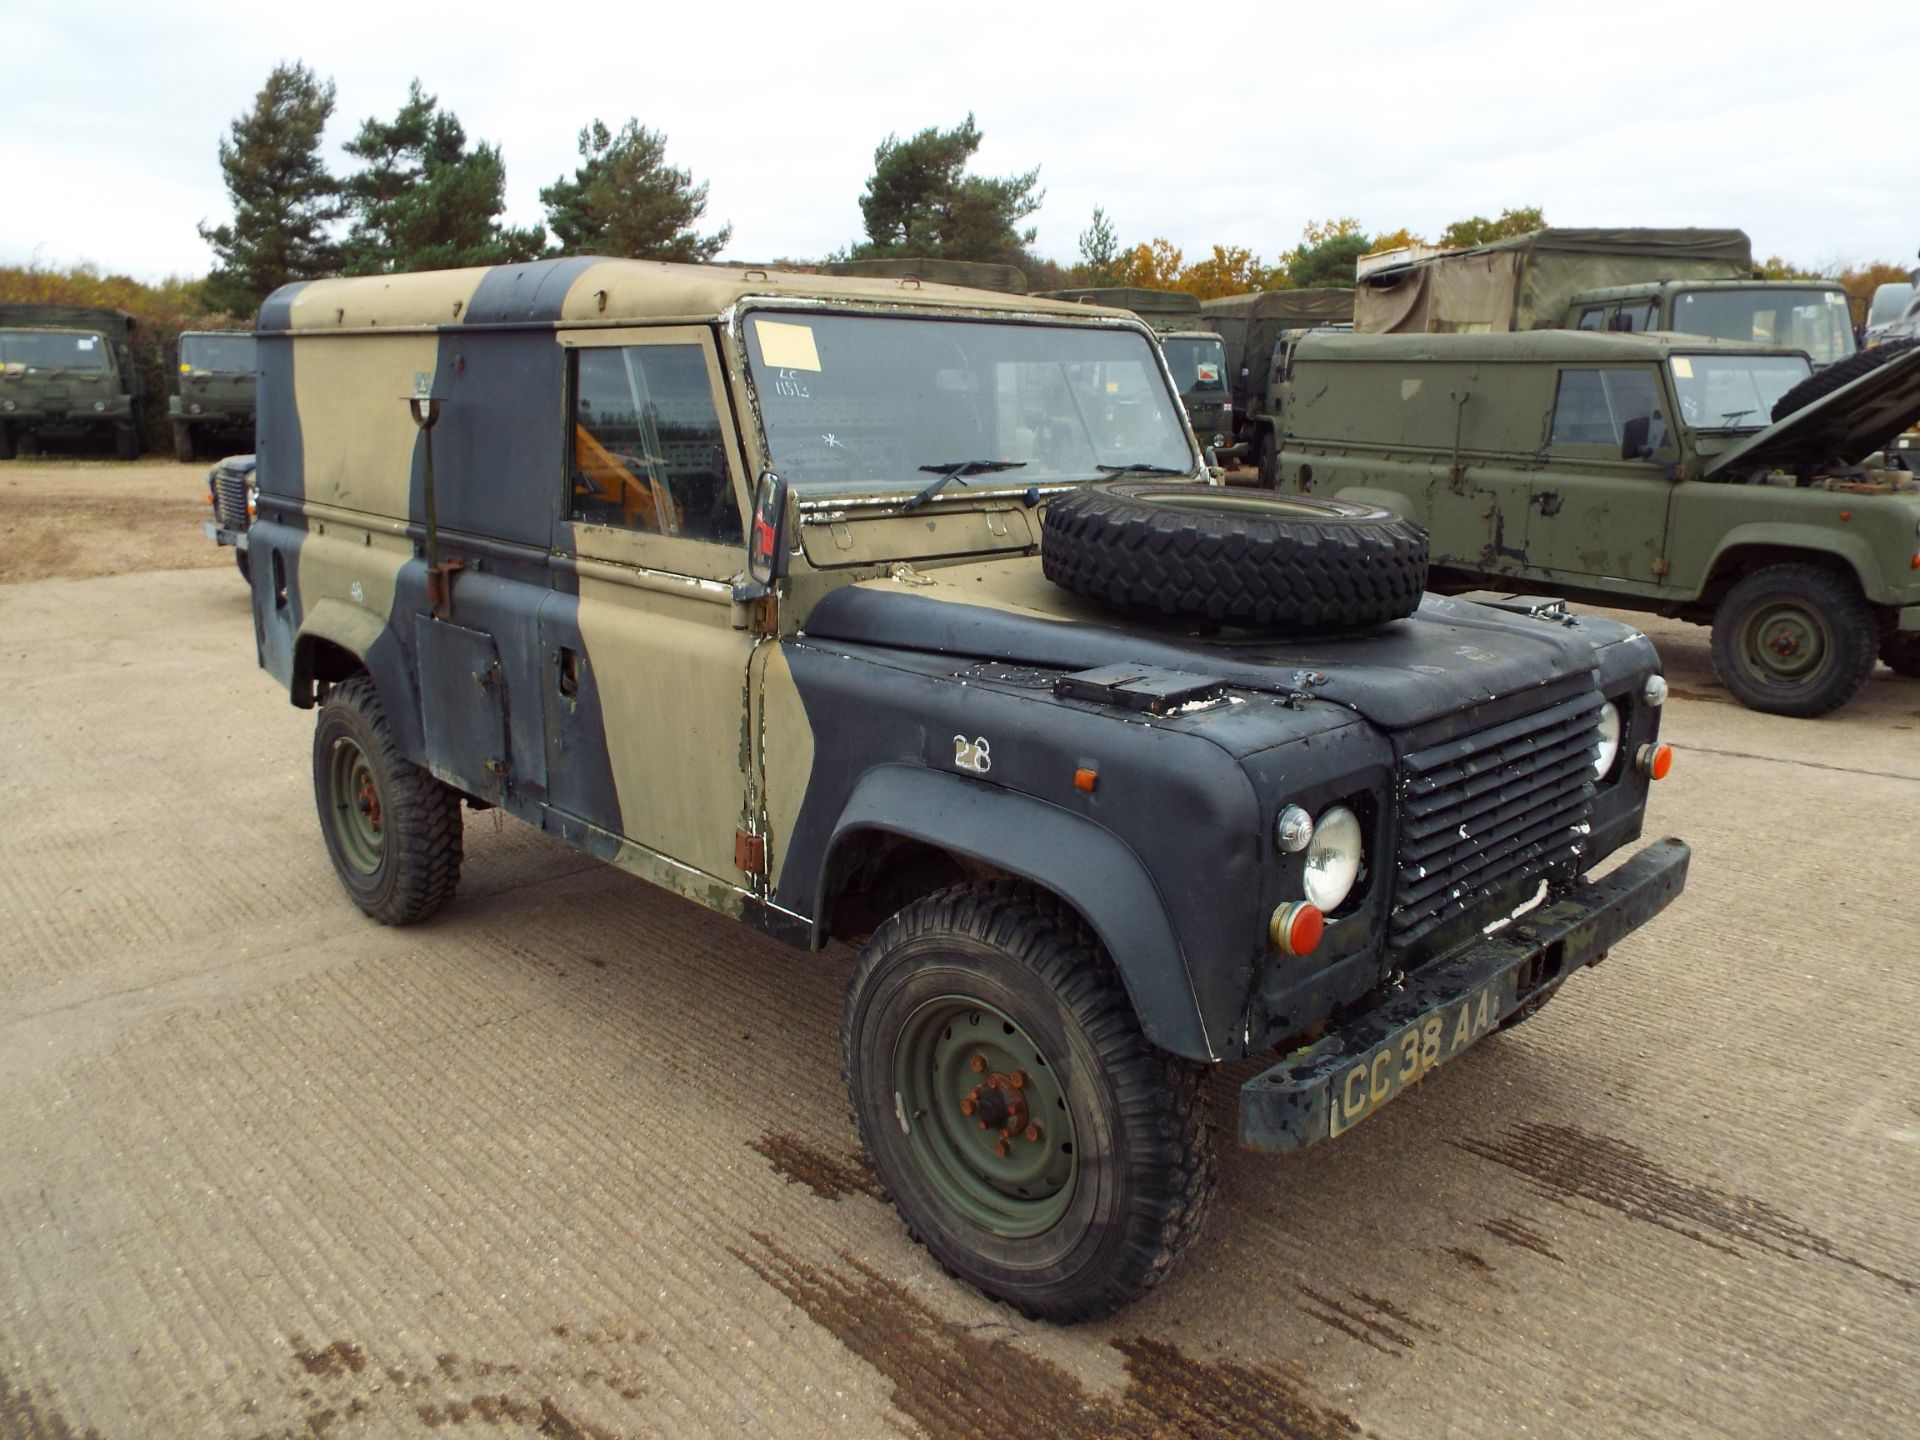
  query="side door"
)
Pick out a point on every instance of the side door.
point(646, 670)
point(1596, 511)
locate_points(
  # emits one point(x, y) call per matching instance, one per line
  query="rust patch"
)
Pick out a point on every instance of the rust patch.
point(1168, 1396)
point(828, 1176)
point(1515, 1231)
point(22, 1415)
point(1564, 1164)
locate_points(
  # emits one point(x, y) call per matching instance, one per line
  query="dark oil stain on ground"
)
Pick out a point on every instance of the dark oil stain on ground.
point(1564, 1163)
point(1516, 1232)
point(449, 1391)
point(828, 1176)
point(954, 1383)
point(1375, 1323)
point(1471, 1259)
point(23, 1418)
point(1678, 693)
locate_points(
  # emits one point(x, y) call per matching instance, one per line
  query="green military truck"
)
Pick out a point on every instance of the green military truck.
point(859, 609)
point(1253, 328)
point(1196, 355)
point(1722, 483)
point(1807, 315)
point(213, 395)
point(67, 372)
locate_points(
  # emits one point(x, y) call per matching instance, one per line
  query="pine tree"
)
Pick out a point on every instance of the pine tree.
point(625, 200)
point(919, 201)
point(283, 197)
point(425, 201)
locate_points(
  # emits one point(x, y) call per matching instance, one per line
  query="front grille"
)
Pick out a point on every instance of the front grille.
point(230, 499)
point(1486, 812)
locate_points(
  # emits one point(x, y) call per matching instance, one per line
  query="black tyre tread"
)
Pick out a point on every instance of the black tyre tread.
point(126, 442)
point(1841, 372)
point(1267, 461)
point(1900, 650)
point(1360, 566)
point(246, 570)
point(6, 442)
point(1177, 1179)
point(183, 446)
point(424, 812)
point(1856, 634)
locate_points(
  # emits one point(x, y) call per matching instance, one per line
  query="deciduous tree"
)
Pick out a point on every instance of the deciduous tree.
point(625, 200)
point(1478, 230)
point(283, 198)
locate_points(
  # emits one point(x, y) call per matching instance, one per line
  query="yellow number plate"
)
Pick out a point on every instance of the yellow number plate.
point(1405, 1057)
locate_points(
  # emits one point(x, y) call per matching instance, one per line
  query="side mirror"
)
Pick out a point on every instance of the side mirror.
point(1633, 438)
point(766, 537)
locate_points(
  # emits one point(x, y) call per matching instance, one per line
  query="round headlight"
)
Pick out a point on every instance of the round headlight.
point(1609, 740)
point(1333, 858)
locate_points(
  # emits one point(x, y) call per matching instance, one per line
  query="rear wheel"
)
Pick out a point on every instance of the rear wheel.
point(126, 442)
point(1030, 1136)
point(1794, 640)
point(391, 829)
point(1266, 460)
point(183, 447)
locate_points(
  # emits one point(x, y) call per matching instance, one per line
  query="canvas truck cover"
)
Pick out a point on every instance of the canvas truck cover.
point(1525, 283)
point(114, 324)
point(1251, 324)
point(975, 274)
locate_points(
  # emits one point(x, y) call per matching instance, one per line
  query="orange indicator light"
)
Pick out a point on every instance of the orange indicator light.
point(1085, 778)
point(1296, 929)
point(1655, 760)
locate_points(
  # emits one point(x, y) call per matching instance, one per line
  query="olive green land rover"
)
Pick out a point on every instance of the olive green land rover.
point(900, 614)
point(1719, 482)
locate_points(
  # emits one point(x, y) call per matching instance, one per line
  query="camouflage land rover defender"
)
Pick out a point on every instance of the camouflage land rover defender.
point(67, 371)
point(213, 394)
point(900, 614)
point(1718, 482)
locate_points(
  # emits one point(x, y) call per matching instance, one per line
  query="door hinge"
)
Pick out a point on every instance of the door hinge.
point(750, 852)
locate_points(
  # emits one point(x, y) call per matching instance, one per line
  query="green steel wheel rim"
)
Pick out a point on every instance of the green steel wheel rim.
point(1783, 642)
point(971, 1084)
point(353, 799)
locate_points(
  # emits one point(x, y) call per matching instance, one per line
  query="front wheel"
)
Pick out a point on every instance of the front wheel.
point(183, 446)
point(126, 442)
point(1794, 640)
point(1030, 1136)
point(1266, 460)
point(6, 442)
point(392, 830)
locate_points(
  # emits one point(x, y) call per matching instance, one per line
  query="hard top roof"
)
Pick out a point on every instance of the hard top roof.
point(594, 291)
point(1524, 345)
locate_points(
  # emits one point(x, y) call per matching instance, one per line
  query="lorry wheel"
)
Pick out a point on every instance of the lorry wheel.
point(1841, 372)
point(25, 443)
point(1901, 651)
point(1794, 640)
point(6, 442)
point(1292, 562)
point(183, 441)
point(1266, 460)
point(246, 571)
point(1030, 1136)
point(126, 442)
point(392, 830)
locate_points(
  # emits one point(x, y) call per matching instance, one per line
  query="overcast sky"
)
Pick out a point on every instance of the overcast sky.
point(1229, 123)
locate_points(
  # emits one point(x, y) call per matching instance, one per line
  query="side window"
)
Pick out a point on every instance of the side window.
point(648, 451)
point(1594, 317)
point(1593, 407)
point(1636, 317)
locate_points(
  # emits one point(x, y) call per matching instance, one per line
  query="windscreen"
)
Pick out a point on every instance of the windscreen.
point(216, 354)
point(1815, 321)
point(885, 403)
point(1733, 392)
point(1199, 366)
point(52, 350)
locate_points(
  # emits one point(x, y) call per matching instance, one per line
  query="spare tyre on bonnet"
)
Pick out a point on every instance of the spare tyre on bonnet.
point(739, 580)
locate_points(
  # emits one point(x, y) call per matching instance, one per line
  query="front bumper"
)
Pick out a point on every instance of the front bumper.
point(1326, 1088)
point(222, 536)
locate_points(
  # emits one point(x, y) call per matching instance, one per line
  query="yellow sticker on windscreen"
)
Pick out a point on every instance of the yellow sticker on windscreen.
point(787, 347)
point(1682, 368)
point(1113, 387)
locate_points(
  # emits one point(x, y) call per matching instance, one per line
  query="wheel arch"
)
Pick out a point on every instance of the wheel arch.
point(929, 821)
point(337, 640)
point(1748, 548)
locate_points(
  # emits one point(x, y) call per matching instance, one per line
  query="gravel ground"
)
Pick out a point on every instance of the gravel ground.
point(573, 1159)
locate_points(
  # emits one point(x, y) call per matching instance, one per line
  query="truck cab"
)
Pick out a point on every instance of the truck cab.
point(67, 372)
point(1806, 315)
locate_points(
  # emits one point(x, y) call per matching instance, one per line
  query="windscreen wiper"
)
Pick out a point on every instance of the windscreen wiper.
point(1140, 468)
point(958, 470)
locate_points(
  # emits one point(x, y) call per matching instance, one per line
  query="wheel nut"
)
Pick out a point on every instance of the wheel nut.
point(967, 1107)
point(979, 1063)
point(1033, 1132)
point(1002, 1149)
point(1018, 1079)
